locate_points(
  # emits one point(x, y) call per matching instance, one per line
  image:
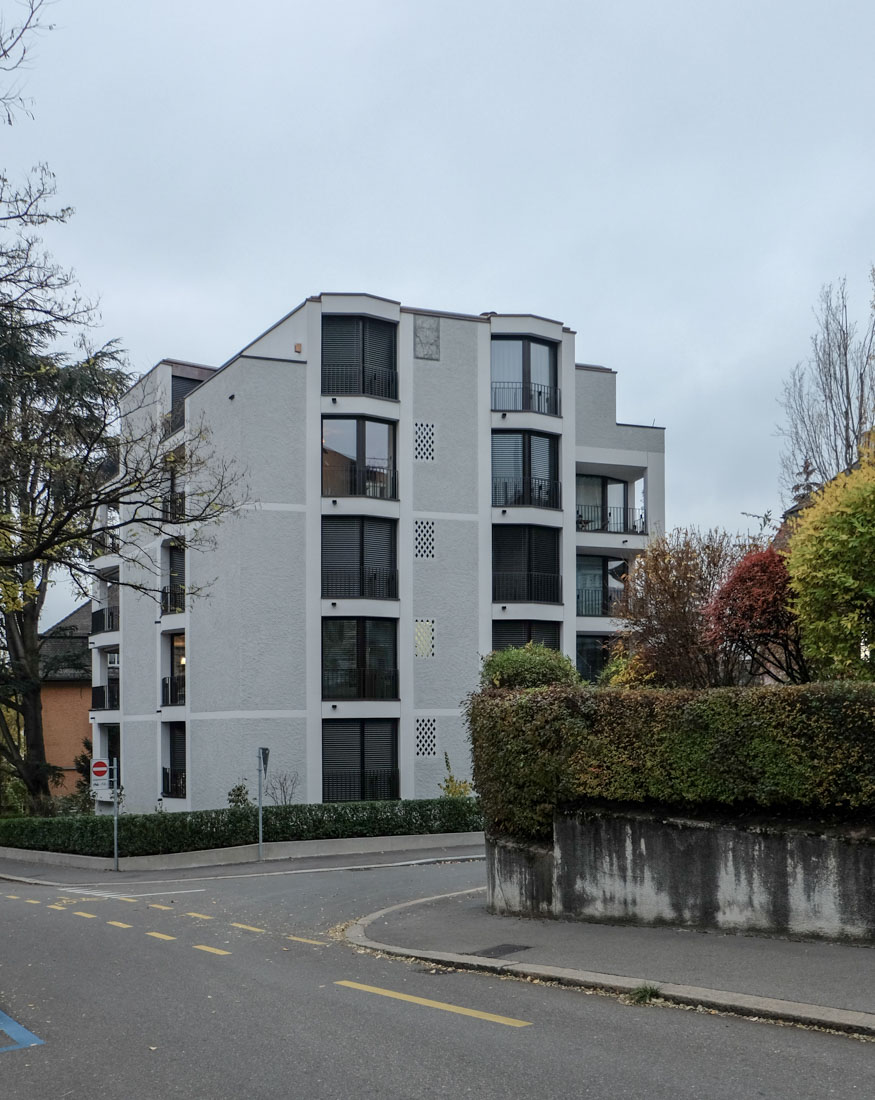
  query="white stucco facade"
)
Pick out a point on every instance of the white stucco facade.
point(204, 680)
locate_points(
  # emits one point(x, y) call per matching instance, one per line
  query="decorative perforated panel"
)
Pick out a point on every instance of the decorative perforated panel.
point(423, 638)
point(423, 442)
point(426, 736)
point(423, 538)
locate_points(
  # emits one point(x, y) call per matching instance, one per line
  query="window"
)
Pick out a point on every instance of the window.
point(180, 388)
point(173, 686)
point(525, 467)
point(359, 759)
point(600, 584)
point(603, 505)
point(524, 375)
point(358, 558)
point(173, 753)
point(525, 564)
point(593, 652)
point(358, 356)
point(358, 458)
point(359, 659)
point(173, 594)
point(519, 632)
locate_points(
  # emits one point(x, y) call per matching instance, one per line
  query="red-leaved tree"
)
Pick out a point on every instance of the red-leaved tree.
point(751, 615)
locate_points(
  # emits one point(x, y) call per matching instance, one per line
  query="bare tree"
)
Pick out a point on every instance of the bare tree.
point(829, 402)
point(280, 788)
point(15, 39)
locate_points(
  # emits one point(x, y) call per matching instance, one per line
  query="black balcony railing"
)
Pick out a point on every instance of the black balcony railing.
point(522, 397)
point(526, 588)
point(173, 691)
point(107, 542)
point(621, 521)
point(536, 492)
point(371, 381)
point(105, 619)
point(356, 480)
point(173, 507)
point(352, 785)
point(173, 599)
point(173, 782)
point(360, 683)
point(105, 696)
point(365, 583)
point(599, 601)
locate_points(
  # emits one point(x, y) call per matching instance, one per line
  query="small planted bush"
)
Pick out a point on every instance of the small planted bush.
point(531, 666)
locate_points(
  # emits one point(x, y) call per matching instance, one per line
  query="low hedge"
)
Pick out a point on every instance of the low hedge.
point(157, 834)
point(805, 750)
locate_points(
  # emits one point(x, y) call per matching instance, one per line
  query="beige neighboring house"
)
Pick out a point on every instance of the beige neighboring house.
point(66, 692)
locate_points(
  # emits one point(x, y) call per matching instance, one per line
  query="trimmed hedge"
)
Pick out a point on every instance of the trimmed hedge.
point(157, 834)
point(801, 750)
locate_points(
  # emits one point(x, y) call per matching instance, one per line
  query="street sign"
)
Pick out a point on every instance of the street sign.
point(99, 769)
point(265, 753)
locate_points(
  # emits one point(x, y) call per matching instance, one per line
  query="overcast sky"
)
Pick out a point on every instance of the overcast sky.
point(674, 181)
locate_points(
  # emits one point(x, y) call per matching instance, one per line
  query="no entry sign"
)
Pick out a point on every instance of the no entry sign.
point(99, 769)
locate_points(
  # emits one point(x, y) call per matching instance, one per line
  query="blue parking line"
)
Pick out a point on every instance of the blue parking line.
point(19, 1035)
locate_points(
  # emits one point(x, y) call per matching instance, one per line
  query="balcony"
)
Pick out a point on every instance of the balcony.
point(526, 397)
point(173, 782)
point(369, 381)
point(519, 492)
point(599, 601)
point(174, 421)
point(173, 691)
point(106, 619)
point(360, 683)
point(620, 521)
point(173, 507)
point(105, 697)
point(352, 785)
point(173, 599)
point(107, 542)
point(355, 480)
point(366, 583)
point(526, 588)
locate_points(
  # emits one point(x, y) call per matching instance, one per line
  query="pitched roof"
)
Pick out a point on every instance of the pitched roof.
point(64, 650)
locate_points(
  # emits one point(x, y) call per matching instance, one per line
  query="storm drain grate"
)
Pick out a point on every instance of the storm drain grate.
point(500, 950)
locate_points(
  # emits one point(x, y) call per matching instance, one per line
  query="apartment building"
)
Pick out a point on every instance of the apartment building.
point(423, 487)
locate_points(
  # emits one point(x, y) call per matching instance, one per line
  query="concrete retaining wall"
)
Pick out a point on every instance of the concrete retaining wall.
point(650, 870)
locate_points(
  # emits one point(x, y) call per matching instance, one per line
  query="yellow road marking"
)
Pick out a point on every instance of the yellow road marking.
point(118, 924)
point(300, 939)
point(203, 916)
point(509, 1021)
point(133, 900)
point(155, 905)
point(32, 901)
point(160, 936)
point(246, 927)
point(61, 907)
point(14, 897)
point(76, 913)
point(212, 950)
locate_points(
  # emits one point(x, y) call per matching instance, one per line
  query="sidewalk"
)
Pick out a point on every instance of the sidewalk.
point(825, 984)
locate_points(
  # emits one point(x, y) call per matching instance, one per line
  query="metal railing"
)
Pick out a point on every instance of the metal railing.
point(360, 683)
point(107, 542)
point(173, 691)
point(107, 618)
point(173, 782)
point(354, 785)
point(621, 521)
point(599, 601)
point(173, 599)
point(535, 492)
point(105, 696)
point(354, 480)
point(173, 507)
point(365, 583)
point(526, 588)
point(371, 381)
point(173, 421)
point(520, 397)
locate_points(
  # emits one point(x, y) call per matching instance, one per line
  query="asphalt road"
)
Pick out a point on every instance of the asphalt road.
point(231, 985)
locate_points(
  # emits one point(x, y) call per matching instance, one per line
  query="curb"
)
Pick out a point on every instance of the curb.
point(248, 853)
point(742, 1004)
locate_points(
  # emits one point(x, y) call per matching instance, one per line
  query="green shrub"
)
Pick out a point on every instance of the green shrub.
point(531, 666)
point(160, 833)
point(802, 750)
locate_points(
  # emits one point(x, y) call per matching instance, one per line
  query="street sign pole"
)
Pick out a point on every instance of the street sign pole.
point(263, 754)
point(115, 814)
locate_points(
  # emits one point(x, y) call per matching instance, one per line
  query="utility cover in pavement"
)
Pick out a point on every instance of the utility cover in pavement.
point(500, 951)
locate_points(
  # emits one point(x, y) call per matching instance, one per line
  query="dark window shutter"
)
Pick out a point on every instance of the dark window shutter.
point(509, 554)
point(341, 545)
point(341, 341)
point(176, 571)
point(341, 744)
point(381, 744)
point(379, 344)
point(378, 538)
point(180, 388)
point(543, 456)
point(546, 634)
point(507, 455)
point(177, 746)
point(544, 550)
point(511, 633)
